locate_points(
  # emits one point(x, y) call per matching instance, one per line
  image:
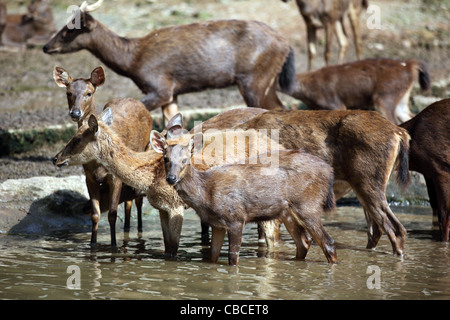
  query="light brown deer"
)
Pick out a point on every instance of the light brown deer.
point(381, 84)
point(229, 196)
point(97, 141)
point(81, 102)
point(362, 147)
point(329, 14)
point(430, 155)
point(172, 61)
point(36, 26)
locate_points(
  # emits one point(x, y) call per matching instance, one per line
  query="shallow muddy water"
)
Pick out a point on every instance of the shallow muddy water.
point(62, 266)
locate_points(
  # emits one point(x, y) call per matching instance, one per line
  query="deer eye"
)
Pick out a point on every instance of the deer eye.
point(89, 94)
point(166, 159)
point(184, 161)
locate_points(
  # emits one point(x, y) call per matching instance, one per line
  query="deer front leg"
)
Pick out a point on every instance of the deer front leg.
point(234, 240)
point(217, 238)
point(94, 196)
point(171, 222)
point(115, 190)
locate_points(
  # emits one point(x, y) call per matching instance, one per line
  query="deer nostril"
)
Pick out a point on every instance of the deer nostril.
point(171, 179)
point(75, 114)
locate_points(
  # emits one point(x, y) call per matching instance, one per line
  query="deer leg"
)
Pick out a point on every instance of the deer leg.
point(205, 233)
point(442, 187)
point(311, 33)
point(94, 196)
point(300, 236)
point(377, 209)
point(127, 208)
point(139, 201)
point(342, 40)
point(385, 108)
point(356, 30)
point(328, 41)
point(235, 240)
point(170, 110)
point(434, 204)
point(310, 219)
point(269, 232)
point(115, 190)
point(171, 222)
point(373, 232)
point(217, 239)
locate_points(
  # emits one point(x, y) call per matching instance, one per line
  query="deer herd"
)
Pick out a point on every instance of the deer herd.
point(263, 164)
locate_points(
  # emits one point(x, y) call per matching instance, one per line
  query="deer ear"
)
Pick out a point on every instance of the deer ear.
point(62, 77)
point(93, 124)
point(196, 143)
point(157, 141)
point(107, 116)
point(174, 126)
point(98, 77)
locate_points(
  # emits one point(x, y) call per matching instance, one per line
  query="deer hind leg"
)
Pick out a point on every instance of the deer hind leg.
point(127, 208)
point(139, 201)
point(386, 107)
point(328, 41)
point(300, 236)
point(402, 111)
point(234, 239)
point(217, 239)
point(342, 40)
point(310, 219)
point(381, 219)
point(259, 90)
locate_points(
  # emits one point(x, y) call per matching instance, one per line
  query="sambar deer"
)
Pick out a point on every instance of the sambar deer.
point(36, 26)
point(231, 195)
point(330, 14)
point(171, 61)
point(362, 147)
point(81, 102)
point(430, 155)
point(381, 84)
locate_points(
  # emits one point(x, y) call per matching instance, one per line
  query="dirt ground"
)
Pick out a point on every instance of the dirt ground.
point(29, 97)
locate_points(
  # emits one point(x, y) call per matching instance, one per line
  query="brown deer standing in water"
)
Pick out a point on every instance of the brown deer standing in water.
point(362, 147)
point(37, 25)
point(172, 60)
point(80, 98)
point(231, 195)
point(381, 84)
point(329, 14)
point(430, 155)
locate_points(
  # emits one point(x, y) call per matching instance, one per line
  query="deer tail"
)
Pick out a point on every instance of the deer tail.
point(403, 177)
point(287, 78)
point(424, 76)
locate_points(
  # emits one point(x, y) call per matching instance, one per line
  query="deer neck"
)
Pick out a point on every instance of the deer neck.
point(191, 187)
point(136, 169)
point(113, 50)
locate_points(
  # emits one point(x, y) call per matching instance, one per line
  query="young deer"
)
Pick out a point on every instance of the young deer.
point(80, 98)
point(229, 196)
point(172, 61)
point(430, 155)
point(362, 147)
point(98, 141)
point(223, 145)
point(383, 84)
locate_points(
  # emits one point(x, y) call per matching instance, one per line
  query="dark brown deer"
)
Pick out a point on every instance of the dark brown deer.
point(36, 26)
point(80, 98)
point(430, 155)
point(362, 147)
point(229, 196)
point(381, 84)
point(97, 141)
point(329, 14)
point(172, 60)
